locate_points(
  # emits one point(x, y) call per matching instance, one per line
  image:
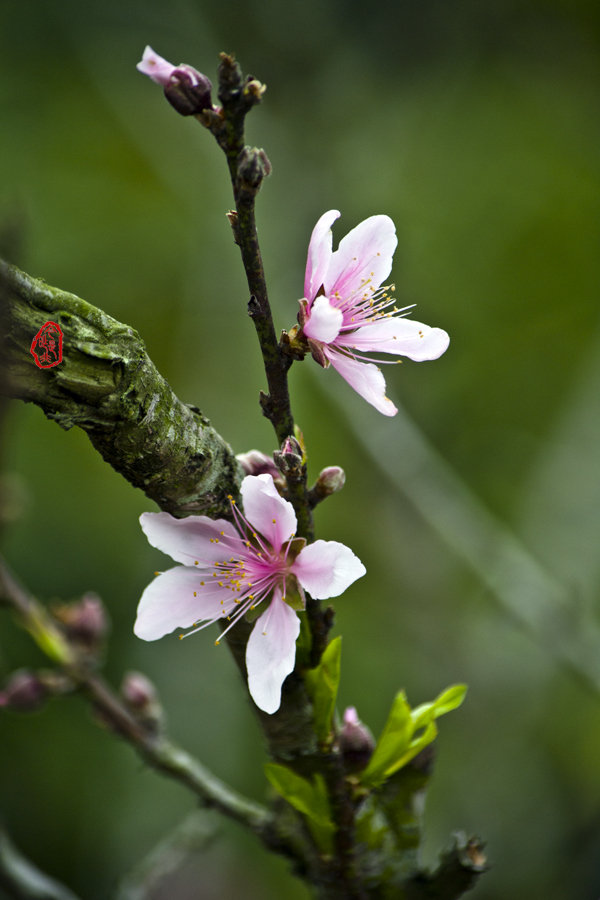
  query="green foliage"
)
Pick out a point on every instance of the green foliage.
point(407, 732)
point(308, 797)
point(322, 684)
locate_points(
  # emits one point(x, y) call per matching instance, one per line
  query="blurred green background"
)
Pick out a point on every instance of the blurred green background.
point(475, 126)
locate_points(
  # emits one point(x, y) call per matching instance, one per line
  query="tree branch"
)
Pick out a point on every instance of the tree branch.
point(108, 386)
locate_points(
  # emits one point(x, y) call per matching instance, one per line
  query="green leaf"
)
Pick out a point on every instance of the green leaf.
point(407, 732)
point(448, 700)
point(309, 798)
point(322, 684)
point(417, 744)
point(393, 742)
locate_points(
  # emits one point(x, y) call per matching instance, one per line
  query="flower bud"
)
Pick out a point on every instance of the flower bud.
point(330, 481)
point(85, 621)
point(253, 166)
point(25, 691)
point(355, 742)
point(254, 462)
point(141, 697)
point(188, 91)
point(290, 458)
point(254, 90)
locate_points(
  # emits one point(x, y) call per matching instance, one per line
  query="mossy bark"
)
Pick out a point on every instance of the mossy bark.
point(108, 386)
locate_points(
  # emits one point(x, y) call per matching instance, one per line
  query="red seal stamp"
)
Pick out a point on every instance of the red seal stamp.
point(46, 347)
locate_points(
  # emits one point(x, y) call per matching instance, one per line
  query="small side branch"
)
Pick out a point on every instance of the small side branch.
point(155, 748)
point(108, 386)
point(458, 872)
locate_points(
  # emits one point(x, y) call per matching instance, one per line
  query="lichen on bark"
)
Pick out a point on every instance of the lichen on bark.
point(107, 385)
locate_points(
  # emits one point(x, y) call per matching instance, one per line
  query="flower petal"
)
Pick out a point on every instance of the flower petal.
point(365, 378)
point(271, 653)
point(319, 254)
point(326, 568)
point(191, 539)
point(270, 514)
point(169, 602)
point(324, 321)
point(400, 336)
point(155, 67)
point(363, 257)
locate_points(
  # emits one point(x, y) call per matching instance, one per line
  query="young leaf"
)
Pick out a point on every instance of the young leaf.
point(308, 798)
point(393, 743)
point(407, 732)
point(416, 745)
point(448, 700)
point(322, 684)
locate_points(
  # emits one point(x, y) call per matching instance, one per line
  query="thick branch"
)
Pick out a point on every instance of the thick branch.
point(107, 385)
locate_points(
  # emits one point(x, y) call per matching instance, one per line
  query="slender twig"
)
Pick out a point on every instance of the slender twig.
point(247, 170)
point(156, 749)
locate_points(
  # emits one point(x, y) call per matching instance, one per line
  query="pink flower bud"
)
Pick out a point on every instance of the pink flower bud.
point(290, 458)
point(24, 692)
point(355, 742)
point(256, 463)
point(85, 621)
point(330, 480)
point(186, 89)
point(141, 697)
point(137, 690)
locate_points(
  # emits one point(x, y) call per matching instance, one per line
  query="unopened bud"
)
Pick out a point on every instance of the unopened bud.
point(253, 166)
point(25, 691)
point(254, 462)
point(254, 89)
point(290, 458)
point(141, 697)
point(330, 481)
point(188, 91)
point(85, 621)
point(355, 742)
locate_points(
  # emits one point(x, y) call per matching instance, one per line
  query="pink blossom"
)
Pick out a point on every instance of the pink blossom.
point(155, 67)
point(228, 570)
point(346, 312)
point(186, 89)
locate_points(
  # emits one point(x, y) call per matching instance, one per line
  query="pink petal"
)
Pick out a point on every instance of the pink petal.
point(363, 257)
point(169, 603)
point(398, 335)
point(326, 568)
point(324, 321)
point(270, 514)
point(350, 716)
point(319, 254)
point(365, 378)
point(157, 68)
point(191, 539)
point(271, 653)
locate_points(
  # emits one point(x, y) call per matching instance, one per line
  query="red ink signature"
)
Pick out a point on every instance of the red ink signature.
point(46, 347)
